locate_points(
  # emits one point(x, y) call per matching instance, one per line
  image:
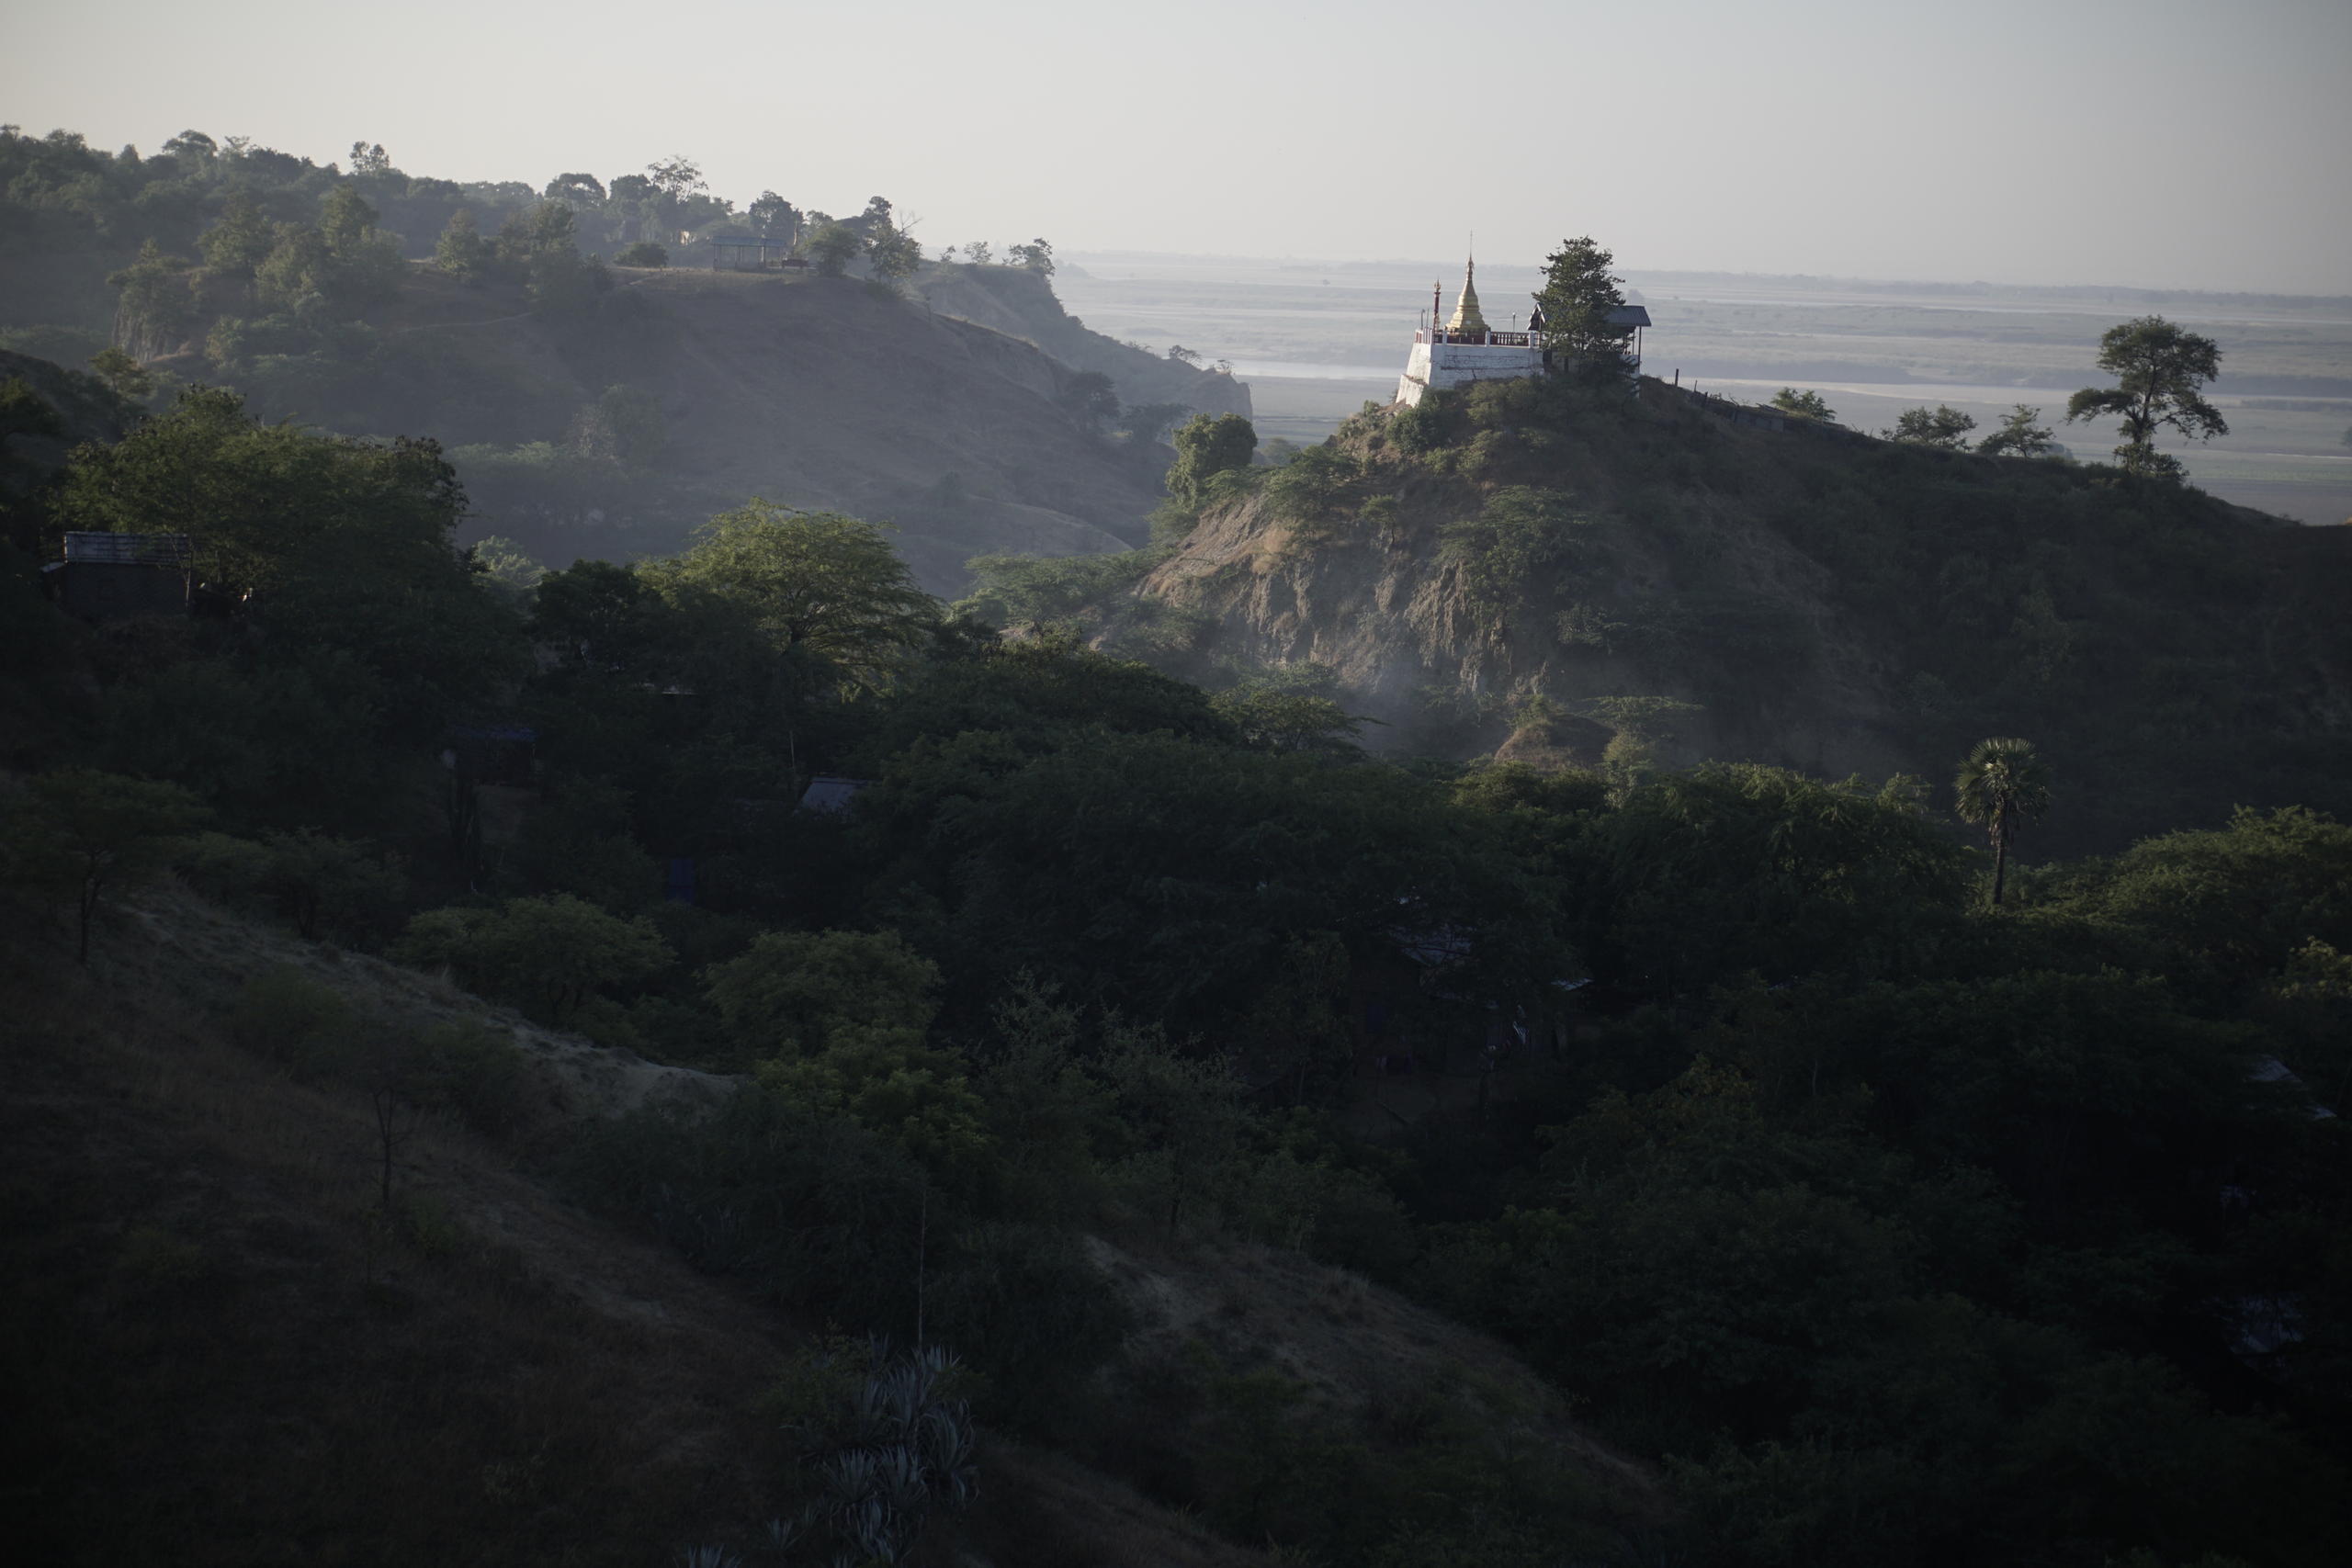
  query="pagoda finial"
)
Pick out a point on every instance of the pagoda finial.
point(1466, 315)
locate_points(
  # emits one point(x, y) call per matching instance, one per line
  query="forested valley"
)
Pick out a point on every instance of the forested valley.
point(727, 1055)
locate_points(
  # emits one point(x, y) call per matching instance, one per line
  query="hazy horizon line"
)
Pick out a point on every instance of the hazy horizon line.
point(1078, 255)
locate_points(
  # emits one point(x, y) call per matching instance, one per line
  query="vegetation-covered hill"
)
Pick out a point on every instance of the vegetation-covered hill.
point(1825, 1207)
point(595, 411)
point(224, 1345)
point(1531, 564)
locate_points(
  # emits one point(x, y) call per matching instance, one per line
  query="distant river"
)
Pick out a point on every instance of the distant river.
point(1254, 369)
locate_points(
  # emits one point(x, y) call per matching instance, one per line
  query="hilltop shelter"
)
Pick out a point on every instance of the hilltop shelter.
point(122, 577)
point(748, 253)
point(1465, 349)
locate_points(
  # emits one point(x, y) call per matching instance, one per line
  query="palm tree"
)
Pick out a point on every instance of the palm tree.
point(2003, 785)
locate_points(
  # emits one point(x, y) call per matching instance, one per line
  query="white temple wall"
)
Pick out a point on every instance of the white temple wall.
point(1459, 364)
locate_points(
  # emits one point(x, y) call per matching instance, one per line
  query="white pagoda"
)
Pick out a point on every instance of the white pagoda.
point(1465, 349)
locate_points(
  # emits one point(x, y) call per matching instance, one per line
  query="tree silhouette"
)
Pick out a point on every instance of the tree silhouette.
point(2160, 369)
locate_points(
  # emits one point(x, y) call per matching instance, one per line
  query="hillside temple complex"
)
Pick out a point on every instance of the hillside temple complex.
point(1465, 349)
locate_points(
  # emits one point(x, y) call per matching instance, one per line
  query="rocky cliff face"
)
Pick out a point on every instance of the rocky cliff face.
point(1021, 304)
point(1545, 572)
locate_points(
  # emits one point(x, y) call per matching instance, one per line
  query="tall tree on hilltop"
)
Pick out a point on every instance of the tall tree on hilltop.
point(2161, 370)
point(893, 254)
point(2003, 785)
point(1576, 299)
point(1037, 255)
point(775, 218)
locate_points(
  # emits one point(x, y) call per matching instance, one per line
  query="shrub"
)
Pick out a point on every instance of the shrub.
point(645, 253)
point(472, 1070)
point(550, 955)
point(301, 1023)
point(799, 990)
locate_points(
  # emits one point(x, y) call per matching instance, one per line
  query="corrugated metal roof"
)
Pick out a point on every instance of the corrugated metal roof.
point(129, 549)
point(1630, 316)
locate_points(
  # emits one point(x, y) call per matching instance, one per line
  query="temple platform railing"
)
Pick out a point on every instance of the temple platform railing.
point(1482, 340)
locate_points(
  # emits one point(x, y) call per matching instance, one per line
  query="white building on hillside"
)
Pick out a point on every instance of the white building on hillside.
point(1465, 349)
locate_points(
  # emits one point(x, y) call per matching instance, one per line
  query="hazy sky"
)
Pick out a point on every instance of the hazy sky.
point(2172, 143)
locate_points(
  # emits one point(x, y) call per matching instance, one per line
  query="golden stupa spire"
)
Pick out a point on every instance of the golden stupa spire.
point(1467, 318)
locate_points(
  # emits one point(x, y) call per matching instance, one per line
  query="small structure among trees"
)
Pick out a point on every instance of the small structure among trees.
point(1579, 319)
point(120, 577)
point(752, 253)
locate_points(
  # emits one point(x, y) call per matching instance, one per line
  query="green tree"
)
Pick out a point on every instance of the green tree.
point(243, 238)
point(1035, 257)
point(676, 176)
point(2018, 436)
point(644, 253)
point(1090, 398)
point(2003, 785)
point(118, 370)
point(542, 245)
point(800, 992)
point(316, 881)
point(773, 218)
point(1182, 1117)
point(1148, 421)
point(1520, 539)
point(347, 219)
point(1698, 876)
point(81, 834)
point(625, 424)
point(893, 254)
point(1577, 298)
point(1943, 427)
point(1804, 405)
point(1207, 445)
point(344, 548)
point(2160, 371)
point(833, 246)
point(813, 584)
point(461, 251)
point(552, 954)
point(582, 190)
point(1280, 720)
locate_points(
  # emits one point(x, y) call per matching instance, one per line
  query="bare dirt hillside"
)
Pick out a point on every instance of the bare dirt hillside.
point(1023, 305)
